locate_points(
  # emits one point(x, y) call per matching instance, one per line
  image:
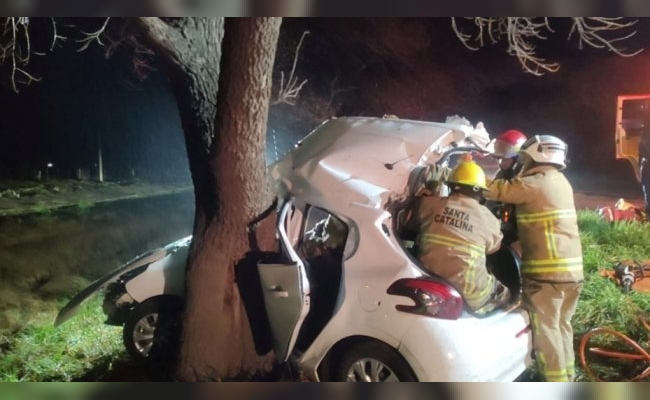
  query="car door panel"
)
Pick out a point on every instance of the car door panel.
point(285, 290)
point(286, 305)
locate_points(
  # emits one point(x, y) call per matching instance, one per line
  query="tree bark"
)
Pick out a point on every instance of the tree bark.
point(217, 340)
point(225, 135)
point(190, 52)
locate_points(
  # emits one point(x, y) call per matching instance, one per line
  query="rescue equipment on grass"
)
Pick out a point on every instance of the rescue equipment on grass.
point(622, 211)
point(629, 275)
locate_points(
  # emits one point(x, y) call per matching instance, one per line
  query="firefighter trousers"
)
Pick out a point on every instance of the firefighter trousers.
point(551, 307)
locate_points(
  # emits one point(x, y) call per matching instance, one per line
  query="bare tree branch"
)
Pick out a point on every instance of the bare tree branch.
point(55, 35)
point(91, 37)
point(589, 31)
point(288, 93)
point(335, 90)
point(16, 49)
point(522, 32)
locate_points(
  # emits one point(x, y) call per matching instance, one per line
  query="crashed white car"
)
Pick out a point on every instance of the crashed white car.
point(345, 300)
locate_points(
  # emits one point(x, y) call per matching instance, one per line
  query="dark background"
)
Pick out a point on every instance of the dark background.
point(413, 68)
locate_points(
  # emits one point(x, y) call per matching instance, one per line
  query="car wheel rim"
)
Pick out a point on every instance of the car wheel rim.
point(143, 333)
point(370, 370)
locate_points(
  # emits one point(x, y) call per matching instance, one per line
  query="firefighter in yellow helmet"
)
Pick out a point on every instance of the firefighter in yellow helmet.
point(552, 270)
point(455, 233)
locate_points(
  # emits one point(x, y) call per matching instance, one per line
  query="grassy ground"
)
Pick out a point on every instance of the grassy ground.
point(46, 258)
point(42, 352)
point(84, 349)
point(602, 303)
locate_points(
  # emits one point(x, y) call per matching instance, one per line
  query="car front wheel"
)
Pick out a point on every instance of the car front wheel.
point(152, 328)
point(373, 362)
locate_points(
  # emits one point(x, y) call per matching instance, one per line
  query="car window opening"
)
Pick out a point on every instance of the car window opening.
point(322, 247)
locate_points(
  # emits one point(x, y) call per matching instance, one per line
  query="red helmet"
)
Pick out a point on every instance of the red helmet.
point(508, 144)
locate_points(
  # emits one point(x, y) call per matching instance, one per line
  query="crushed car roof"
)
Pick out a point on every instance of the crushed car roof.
point(364, 161)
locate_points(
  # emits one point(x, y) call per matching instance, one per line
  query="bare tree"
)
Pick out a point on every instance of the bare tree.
point(520, 33)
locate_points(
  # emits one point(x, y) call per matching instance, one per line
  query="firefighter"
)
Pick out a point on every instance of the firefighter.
point(454, 234)
point(552, 270)
point(505, 149)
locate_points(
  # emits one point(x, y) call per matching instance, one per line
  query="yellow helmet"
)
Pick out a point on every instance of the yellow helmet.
point(468, 173)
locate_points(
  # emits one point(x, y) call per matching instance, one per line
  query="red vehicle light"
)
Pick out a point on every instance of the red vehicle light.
point(432, 298)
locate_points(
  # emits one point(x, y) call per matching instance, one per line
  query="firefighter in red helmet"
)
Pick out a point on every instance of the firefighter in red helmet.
point(505, 149)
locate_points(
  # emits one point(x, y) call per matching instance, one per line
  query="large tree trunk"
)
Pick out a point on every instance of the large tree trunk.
point(217, 336)
point(227, 161)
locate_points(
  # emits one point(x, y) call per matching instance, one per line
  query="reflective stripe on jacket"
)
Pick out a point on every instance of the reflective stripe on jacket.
point(546, 223)
point(455, 234)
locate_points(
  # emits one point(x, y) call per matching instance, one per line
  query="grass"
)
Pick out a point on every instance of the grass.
point(43, 353)
point(85, 349)
point(602, 303)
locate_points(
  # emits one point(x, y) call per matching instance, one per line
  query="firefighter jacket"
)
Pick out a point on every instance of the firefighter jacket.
point(454, 235)
point(546, 223)
point(506, 212)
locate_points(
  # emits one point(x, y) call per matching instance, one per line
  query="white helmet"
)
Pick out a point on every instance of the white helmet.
point(546, 149)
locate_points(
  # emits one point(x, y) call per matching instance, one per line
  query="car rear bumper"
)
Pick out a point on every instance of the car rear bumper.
point(491, 349)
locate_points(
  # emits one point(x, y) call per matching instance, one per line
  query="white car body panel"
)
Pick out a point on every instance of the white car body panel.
point(164, 276)
point(356, 168)
point(172, 252)
point(423, 341)
point(365, 161)
point(479, 349)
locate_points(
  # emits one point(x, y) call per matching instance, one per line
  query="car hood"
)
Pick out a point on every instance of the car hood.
point(71, 308)
point(364, 161)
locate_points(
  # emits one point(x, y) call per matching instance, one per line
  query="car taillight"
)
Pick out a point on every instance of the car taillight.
point(432, 298)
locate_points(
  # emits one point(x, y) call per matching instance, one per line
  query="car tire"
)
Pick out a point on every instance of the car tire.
point(373, 362)
point(152, 329)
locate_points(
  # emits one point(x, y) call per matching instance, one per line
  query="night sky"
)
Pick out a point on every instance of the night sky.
point(413, 68)
point(84, 99)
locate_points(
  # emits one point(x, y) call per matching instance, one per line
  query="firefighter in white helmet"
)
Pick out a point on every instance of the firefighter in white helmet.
point(552, 269)
point(455, 233)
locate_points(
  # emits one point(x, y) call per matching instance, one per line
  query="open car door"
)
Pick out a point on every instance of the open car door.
point(285, 286)
point(632, 112)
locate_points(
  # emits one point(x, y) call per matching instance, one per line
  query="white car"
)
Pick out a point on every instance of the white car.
point(145, 296)
point(345, 300)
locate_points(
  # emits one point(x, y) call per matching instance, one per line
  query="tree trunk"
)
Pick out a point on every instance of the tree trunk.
point(217, 338)
point(226, 149)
